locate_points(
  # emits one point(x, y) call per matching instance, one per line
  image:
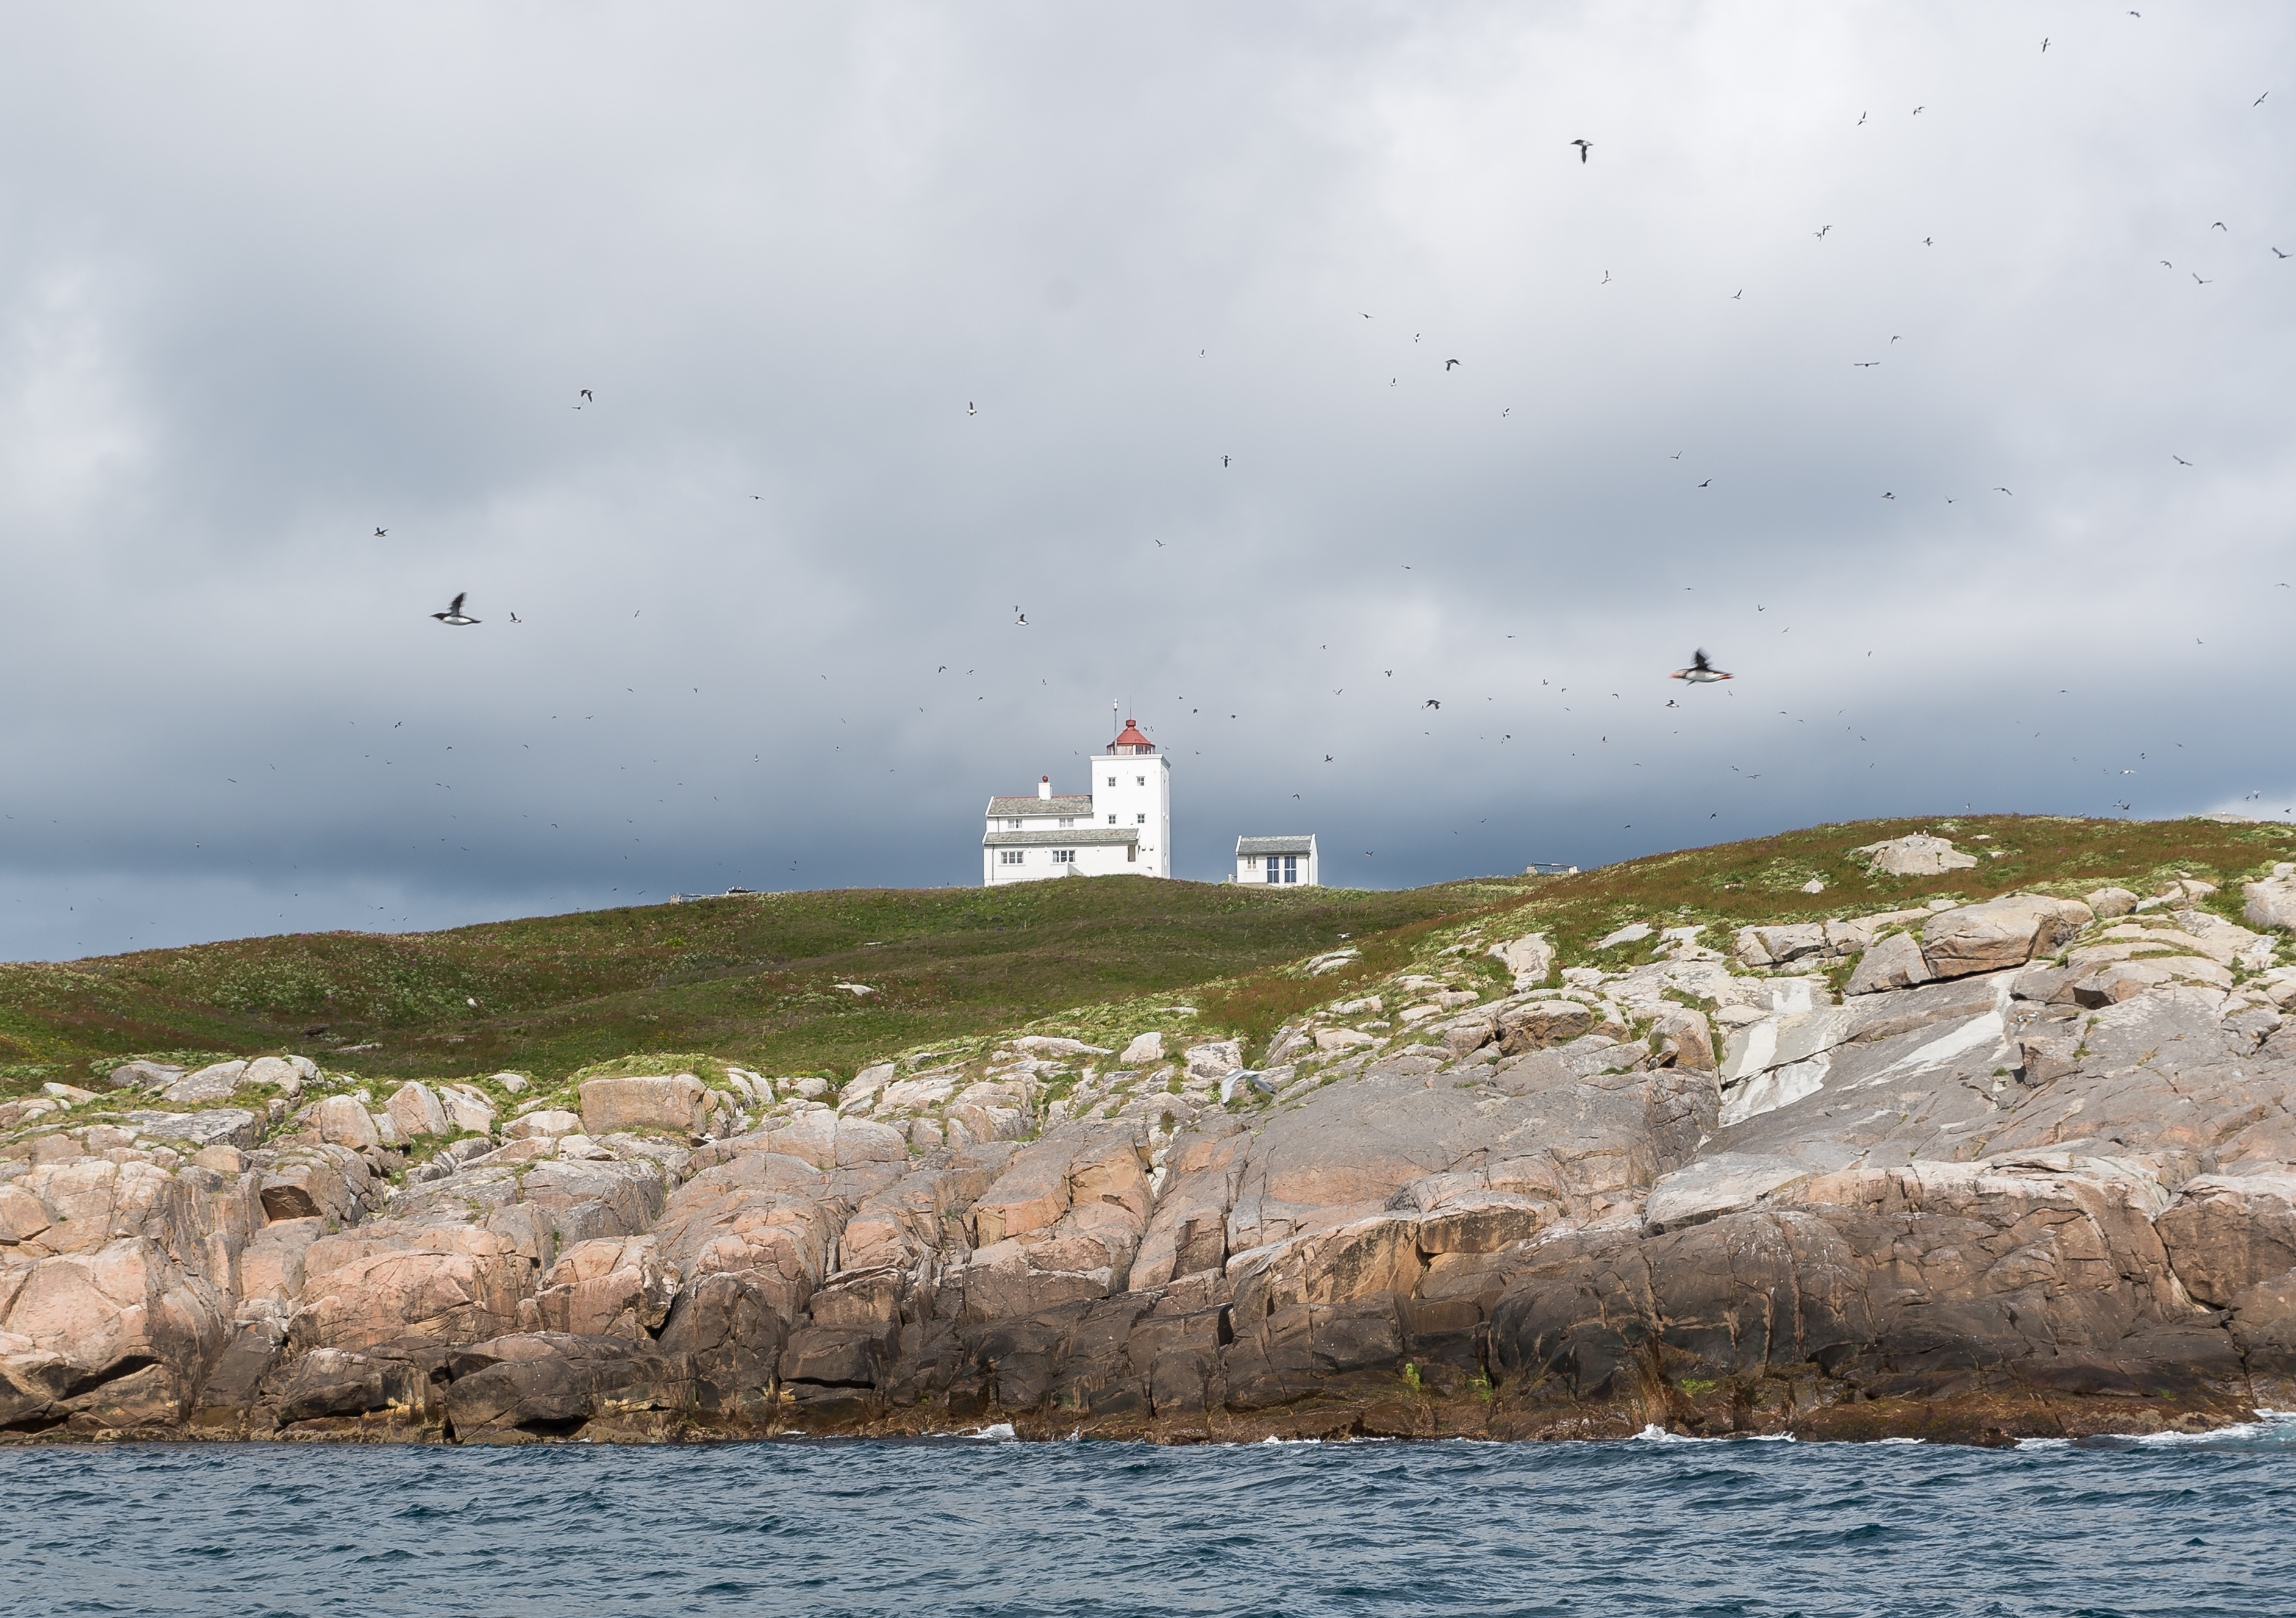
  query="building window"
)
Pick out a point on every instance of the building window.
point(1112, 820)
point(1009, 856)
point(1273, 874)
point(1112, 780)
point(1142, 820)
point(1066, 823)
point(1065, 857)
point(1132, 852)
point(1142, 780)
point(1291, 868)
point(1012, 825)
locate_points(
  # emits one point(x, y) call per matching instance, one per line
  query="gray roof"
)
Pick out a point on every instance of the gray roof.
point(1274, 845)
point(1080, 837)
point(1005, 808)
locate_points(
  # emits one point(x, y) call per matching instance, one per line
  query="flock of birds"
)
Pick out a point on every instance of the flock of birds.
point(1701, 670)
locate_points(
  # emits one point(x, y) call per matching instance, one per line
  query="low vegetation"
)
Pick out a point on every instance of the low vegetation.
point(771, 982)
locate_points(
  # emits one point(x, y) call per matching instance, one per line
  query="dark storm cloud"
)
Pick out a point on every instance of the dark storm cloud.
point(272, 278)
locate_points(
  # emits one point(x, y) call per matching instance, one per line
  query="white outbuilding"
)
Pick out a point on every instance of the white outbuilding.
point(1121, 828)
point(1283, 861)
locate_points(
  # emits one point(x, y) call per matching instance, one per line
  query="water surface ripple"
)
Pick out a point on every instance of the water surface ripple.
point(2194, 1527)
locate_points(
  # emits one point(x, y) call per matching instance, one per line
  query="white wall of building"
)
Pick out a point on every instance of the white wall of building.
point(1135, 790)
point(1122, 826)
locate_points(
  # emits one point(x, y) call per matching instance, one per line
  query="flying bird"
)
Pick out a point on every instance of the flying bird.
point(1584, 148)
point(1225, 459)
point(1741, 292)
point(380, 532)
point(2197, 275)
point(2045, 47)
point(1707, 480)
point(1865, 364)
point(1820, 234)
point(2278, 254)
point(1450, 363)
point(1430, 702)
point(515, 618)
point(454, 613)
point(2180, 460)
point(2219, 225)
point(1022, 621)
point(1999, 490)
point(1700, 672)
point(587, 398)
point(2260, 100)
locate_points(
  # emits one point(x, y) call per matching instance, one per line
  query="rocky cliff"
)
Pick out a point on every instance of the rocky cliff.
point(1968, 1171)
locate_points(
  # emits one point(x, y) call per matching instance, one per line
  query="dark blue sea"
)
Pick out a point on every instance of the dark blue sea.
point(2190, 1527)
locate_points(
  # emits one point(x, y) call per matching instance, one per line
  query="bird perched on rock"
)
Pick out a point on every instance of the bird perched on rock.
point(1700, 672)
point(454, 615)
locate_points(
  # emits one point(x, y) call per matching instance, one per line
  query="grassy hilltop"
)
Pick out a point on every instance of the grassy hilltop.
point(752, 979)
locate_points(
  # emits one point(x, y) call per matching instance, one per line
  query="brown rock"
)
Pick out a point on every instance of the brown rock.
point(677, 1103)
point(609, 1287)
point(1542, 1023)
point(2006, 932)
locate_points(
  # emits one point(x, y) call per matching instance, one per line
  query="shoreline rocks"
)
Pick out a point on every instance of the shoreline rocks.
point(1970, 1173)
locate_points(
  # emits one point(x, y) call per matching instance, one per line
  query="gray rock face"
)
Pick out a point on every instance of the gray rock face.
point(1999, 932)
point(1894, 963)
point(214, 1083)
point(1917, 855)
point(2272, 902)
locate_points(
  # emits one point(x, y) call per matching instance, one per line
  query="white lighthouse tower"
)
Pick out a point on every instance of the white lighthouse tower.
point(1122, 826)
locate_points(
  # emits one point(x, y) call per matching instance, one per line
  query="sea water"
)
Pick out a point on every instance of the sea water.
point(2186, 1526)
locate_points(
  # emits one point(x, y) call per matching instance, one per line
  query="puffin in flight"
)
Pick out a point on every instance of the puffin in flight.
point(1700, 672)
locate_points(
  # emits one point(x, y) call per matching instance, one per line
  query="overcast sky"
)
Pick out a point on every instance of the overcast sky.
point(275, 277)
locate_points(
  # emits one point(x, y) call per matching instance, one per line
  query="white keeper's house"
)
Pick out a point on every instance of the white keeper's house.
point(1277, 860)
point(1121, 828)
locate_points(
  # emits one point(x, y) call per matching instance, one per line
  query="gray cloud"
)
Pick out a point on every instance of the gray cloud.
point(274, 278)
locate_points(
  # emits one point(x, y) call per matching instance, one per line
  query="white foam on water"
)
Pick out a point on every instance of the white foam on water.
point(994, 1433)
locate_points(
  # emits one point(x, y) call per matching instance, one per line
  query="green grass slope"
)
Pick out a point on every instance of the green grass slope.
point(749, 979)
point(753, 980)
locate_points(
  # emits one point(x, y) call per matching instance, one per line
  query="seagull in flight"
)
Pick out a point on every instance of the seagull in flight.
point(1707, 480)
point(1741, 292)
point(1700, 672)
point(2180, 460)
point(1584, 148)
point(454, 613)
point(2278, 254)
point(1999, 490)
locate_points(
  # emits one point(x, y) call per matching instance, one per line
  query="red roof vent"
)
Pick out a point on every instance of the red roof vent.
point(1130, 740)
